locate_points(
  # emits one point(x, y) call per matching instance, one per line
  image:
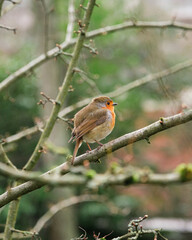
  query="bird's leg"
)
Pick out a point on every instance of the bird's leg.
point(88, 147)
point(99, 143)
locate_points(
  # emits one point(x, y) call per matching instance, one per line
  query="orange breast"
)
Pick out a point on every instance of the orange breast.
point(113, 119)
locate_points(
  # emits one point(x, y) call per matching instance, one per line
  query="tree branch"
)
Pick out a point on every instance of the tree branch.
point(119, 91)
point(98, 32)
point(46, 26)
point(8, 28)
point(10, 6)
point(71, 20)
point(137, 83)
point(6, 160)
point(130, 138)
point(24, 133)
point(69, 202)
point(129, 175)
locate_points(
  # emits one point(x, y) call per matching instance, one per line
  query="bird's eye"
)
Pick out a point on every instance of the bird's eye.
point(108, 103)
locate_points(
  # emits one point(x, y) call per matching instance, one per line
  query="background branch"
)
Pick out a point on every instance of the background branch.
point(46, 26)
point(119, 91)
point(71, 20)
point(10, 6)
point(101, 31)
point(8, 28)
point(69, 202)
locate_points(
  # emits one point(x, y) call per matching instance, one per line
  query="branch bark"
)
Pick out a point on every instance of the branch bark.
point(130, 138)
point(98, 32)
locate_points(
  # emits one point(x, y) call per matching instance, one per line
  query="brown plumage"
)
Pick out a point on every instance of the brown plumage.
point(93, 122)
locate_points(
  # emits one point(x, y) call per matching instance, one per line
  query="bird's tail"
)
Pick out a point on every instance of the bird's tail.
point(77, 146)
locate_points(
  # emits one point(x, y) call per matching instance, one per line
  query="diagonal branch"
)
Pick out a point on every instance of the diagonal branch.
point(5, 159)
point(63, 90)
point(98, 32)
point(121, 90)
point(137, 83)
point(8, 28)
point(127, 139)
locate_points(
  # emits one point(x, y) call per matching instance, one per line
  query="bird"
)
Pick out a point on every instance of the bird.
point(93, 123)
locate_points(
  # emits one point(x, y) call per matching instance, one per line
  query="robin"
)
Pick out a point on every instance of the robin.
point(93, 123)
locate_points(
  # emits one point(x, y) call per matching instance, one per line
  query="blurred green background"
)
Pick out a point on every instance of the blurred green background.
point(124, 56)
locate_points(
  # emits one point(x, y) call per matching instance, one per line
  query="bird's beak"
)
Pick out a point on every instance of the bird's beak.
point(114, 104)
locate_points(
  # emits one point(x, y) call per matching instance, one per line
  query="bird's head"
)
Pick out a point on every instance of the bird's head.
point(104, 102)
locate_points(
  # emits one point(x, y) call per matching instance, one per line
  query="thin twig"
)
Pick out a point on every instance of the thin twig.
point(25, 133)
point(6, 160)
point(88, 80)
point(8, 28)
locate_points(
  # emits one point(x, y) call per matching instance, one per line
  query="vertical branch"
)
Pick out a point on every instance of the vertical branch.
point(71, 20)
point(46, 26)
point(11, 219)
point(63, 90)
point(14, 205)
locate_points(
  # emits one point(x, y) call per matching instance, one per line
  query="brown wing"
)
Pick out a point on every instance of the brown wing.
point(92, 120)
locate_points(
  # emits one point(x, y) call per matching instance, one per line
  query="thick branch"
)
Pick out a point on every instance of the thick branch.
point(101, 31)
point(144, 133)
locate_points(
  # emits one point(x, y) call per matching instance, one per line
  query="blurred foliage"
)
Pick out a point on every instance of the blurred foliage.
point(18, 111)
